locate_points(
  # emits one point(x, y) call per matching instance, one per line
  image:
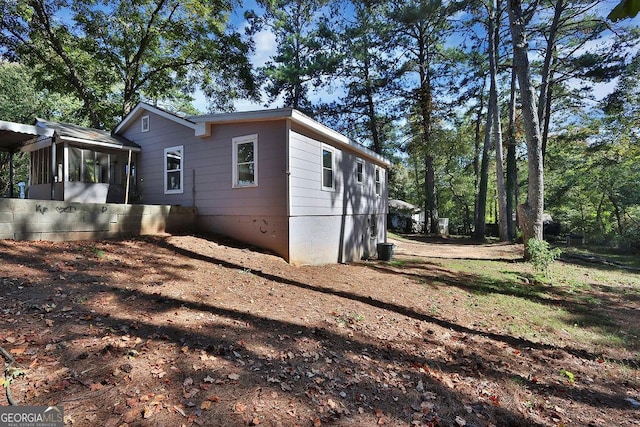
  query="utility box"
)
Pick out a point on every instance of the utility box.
point(443, 226)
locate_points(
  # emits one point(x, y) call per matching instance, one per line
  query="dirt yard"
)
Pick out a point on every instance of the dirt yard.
point(185, 330)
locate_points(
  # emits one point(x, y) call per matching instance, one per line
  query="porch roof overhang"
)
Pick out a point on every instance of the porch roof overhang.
point(15, 135)
point(88, 137)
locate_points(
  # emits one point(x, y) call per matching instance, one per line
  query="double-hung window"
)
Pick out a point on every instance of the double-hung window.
point(327, 168)
point(245, 161)
point(360, 171)
point(173, 170)
point(378, 181)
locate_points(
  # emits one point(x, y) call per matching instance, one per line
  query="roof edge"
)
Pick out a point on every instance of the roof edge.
point(132, 115)
point(26, 129)
point(284, 114)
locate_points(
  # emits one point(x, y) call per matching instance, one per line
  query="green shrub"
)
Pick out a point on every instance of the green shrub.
point(541, 255)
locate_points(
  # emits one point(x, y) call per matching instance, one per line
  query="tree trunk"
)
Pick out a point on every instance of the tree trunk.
point(544, 101)
point(426, 112)
point(476, 161)
point(530, 213)
point(480, 228)
point(371, 109)
point(512, 171)
point(494, 26)
point(431, 197)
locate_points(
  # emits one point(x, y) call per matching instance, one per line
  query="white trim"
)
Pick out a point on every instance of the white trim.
point(144, 123)
point(36, 145)
point(378, 178)
point(166, 171)
point(360, 175)
point(331, 149)
point(288, 167)
point(79, 143)
point(65, 167)
point(92, 143)
point(246, 139)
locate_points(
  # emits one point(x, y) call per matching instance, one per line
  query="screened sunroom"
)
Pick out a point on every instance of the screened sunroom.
point(79, 164)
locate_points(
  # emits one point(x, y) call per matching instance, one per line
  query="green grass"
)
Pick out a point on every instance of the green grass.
point(578, 306)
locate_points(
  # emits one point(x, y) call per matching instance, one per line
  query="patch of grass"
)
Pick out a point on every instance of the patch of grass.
point(397, 263)
point(625, 259)
point(81, 299)
point(568, 374)
point(568, 310)
point(345, 320)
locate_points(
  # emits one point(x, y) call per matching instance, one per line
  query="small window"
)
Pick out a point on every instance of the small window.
point(360, 171)
point(173, 169)
point(245, 161)
point(145, 123)
point(378, 181)
point(327, 169)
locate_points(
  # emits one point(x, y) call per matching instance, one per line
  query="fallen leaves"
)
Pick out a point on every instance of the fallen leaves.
point(330, 361)
point(17, 351)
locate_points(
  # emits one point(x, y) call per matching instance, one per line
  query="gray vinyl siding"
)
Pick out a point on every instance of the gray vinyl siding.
point(162, 134)
point(214, 172)
point(288, 211)
point(207, 167)
point(348, 197)
point(340, 225)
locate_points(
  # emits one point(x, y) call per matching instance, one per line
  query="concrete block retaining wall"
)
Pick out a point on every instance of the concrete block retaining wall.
point(57, 221)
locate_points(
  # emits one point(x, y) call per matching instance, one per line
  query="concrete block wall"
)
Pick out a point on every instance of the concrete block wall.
point(57, 221)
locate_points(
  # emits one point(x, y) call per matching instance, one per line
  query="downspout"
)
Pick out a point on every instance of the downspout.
point(65, 166)
point(126, 191)
point(52, 172)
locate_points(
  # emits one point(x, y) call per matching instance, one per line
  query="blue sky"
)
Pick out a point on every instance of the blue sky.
point(265, 43)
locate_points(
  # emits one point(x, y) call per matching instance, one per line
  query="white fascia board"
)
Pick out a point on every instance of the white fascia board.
point(39, 143)
point(337, 137)
point(138, 109)
point(203, 130)
point(99, 143)
point(244, 116)
point(46, 142)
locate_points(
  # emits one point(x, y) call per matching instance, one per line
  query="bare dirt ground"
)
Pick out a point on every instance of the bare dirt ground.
point(186, 330)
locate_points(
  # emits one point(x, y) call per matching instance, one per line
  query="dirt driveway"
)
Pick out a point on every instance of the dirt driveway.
point(453, 248)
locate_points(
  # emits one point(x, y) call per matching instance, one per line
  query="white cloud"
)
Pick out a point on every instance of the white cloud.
point(265, 47)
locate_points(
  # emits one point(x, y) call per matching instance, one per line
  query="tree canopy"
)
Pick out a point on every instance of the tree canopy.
point(110, 55)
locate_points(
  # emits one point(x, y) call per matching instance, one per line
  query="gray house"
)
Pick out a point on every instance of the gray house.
point(275, 178)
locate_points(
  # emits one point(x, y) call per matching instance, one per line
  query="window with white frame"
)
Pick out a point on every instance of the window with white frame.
point(245, 161)
point(327, 168)
point(174, 170)
point(145, 123)
point(360, 171)
point(378, 181)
